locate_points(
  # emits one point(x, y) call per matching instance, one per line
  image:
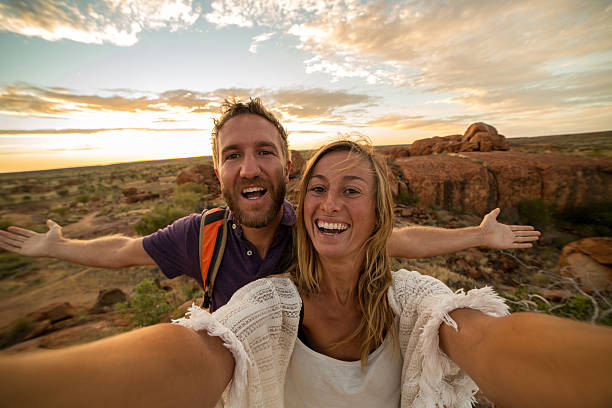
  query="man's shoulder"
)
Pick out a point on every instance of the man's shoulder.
point(185, 229)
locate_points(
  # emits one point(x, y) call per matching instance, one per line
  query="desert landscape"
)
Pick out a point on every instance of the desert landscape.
point(559, 184)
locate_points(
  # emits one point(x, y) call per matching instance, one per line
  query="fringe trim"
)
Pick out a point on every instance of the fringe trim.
point(200, 319)
point(434, 389)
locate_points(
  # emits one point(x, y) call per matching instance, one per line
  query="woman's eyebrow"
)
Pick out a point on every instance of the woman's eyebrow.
point(347, 177)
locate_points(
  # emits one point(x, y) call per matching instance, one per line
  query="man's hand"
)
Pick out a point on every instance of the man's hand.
point(500, 236)
point(30, 243)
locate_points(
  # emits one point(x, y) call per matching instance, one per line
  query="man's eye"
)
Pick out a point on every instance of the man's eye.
point(265, 152)
point(232, 156)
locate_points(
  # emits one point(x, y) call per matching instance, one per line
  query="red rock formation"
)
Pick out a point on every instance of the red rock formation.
point(297, 164)
point(449, 182)
point(478, 182)
point(478, 137)
point(590, 262)
point(392, 153)
point(200, 174)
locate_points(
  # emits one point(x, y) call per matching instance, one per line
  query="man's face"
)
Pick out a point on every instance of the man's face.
point(252, 170)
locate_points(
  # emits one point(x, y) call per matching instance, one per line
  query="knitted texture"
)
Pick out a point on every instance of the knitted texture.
point(262, 319)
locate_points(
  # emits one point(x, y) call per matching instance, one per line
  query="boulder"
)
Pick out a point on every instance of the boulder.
point(136, 198)
point(107, 298)
point(590, 262)
point(297, 164)
point(478, 137)
point(478, 127)
point(53, 312)
point(392, 153)
point(200, 174)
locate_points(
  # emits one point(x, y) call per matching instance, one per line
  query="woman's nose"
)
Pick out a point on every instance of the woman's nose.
point(330, 202)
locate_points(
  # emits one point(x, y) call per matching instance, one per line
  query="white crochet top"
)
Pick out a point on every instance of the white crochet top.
point(259, 326)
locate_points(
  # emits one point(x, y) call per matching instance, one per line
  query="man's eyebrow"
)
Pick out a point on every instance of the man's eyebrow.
point(236, 146)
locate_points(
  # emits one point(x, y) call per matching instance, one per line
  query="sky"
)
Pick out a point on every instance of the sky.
point(106, 81)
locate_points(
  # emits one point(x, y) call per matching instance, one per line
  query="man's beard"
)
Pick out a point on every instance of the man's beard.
point(261, 218)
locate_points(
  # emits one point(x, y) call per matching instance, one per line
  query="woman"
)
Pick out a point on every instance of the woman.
point(341, 330)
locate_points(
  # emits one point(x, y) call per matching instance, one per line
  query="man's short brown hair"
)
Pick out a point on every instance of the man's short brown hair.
point(233, 108)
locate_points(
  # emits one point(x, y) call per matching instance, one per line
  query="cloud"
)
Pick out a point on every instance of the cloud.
point(503, 56)
point(27, 100)
point(9, 132)
point(314, 104)
point(258, 39)
point(104, 21)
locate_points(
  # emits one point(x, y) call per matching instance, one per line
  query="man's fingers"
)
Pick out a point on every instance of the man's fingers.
point(11, 239)
point(521, 246)
point(521, 227)
point(8, 247)
point(526, 239)
point(4, 235)
point(21, 231)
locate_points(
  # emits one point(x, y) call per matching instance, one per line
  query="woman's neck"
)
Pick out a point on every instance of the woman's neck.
point(339, 279)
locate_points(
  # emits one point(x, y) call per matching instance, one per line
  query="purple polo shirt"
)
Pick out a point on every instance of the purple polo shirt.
point(175, 250)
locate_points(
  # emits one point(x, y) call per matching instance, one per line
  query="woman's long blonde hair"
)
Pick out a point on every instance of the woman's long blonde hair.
point(375, 278)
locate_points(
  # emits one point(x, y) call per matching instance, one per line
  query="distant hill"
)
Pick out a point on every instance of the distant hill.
point(596, 144)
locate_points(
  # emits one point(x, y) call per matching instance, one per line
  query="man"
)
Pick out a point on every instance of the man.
point(252, 163)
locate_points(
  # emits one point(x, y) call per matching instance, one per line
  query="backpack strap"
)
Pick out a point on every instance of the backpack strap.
point(213, 237)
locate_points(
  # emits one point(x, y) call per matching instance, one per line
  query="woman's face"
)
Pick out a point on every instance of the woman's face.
point(339, 207)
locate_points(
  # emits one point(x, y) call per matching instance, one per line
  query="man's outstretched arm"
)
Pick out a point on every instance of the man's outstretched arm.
point(422, 242)
point(106, 252)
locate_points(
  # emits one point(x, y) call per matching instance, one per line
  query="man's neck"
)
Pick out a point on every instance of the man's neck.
point(262, 237)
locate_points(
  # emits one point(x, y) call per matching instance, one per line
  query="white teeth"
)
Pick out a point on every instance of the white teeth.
point(252, 190)
point(332, 225)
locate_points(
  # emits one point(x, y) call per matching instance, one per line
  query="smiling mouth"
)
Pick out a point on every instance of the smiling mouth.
point(253, 193)
point(331, 228)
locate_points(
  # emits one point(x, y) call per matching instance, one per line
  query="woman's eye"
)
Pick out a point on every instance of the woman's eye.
point(351, 191)
point(317, 189)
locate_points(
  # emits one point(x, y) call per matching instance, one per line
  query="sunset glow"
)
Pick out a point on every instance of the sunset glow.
point(98, 82)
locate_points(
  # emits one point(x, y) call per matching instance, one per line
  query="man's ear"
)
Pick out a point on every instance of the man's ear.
point(287, 170)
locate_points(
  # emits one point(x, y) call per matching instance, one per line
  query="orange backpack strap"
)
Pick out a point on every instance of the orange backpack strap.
point(213, 237)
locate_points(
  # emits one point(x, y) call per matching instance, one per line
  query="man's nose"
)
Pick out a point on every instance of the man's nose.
point(250, 167)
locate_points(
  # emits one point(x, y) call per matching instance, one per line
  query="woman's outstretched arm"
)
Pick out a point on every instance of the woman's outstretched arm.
point(159, 366)
point(532, 360)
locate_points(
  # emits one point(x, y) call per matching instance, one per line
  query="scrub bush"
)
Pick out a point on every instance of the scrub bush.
point(159, 217)
point(148, 306)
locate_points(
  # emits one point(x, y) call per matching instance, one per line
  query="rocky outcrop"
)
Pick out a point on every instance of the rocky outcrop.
point(200, 174)
point(478, 137)
point(589, 261)
point(132, 195)
point(478, 182)
point(107, 298)
point(297, 164)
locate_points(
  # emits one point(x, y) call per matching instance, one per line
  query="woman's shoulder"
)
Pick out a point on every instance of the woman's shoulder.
point(410, 288)
point(412, 282)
